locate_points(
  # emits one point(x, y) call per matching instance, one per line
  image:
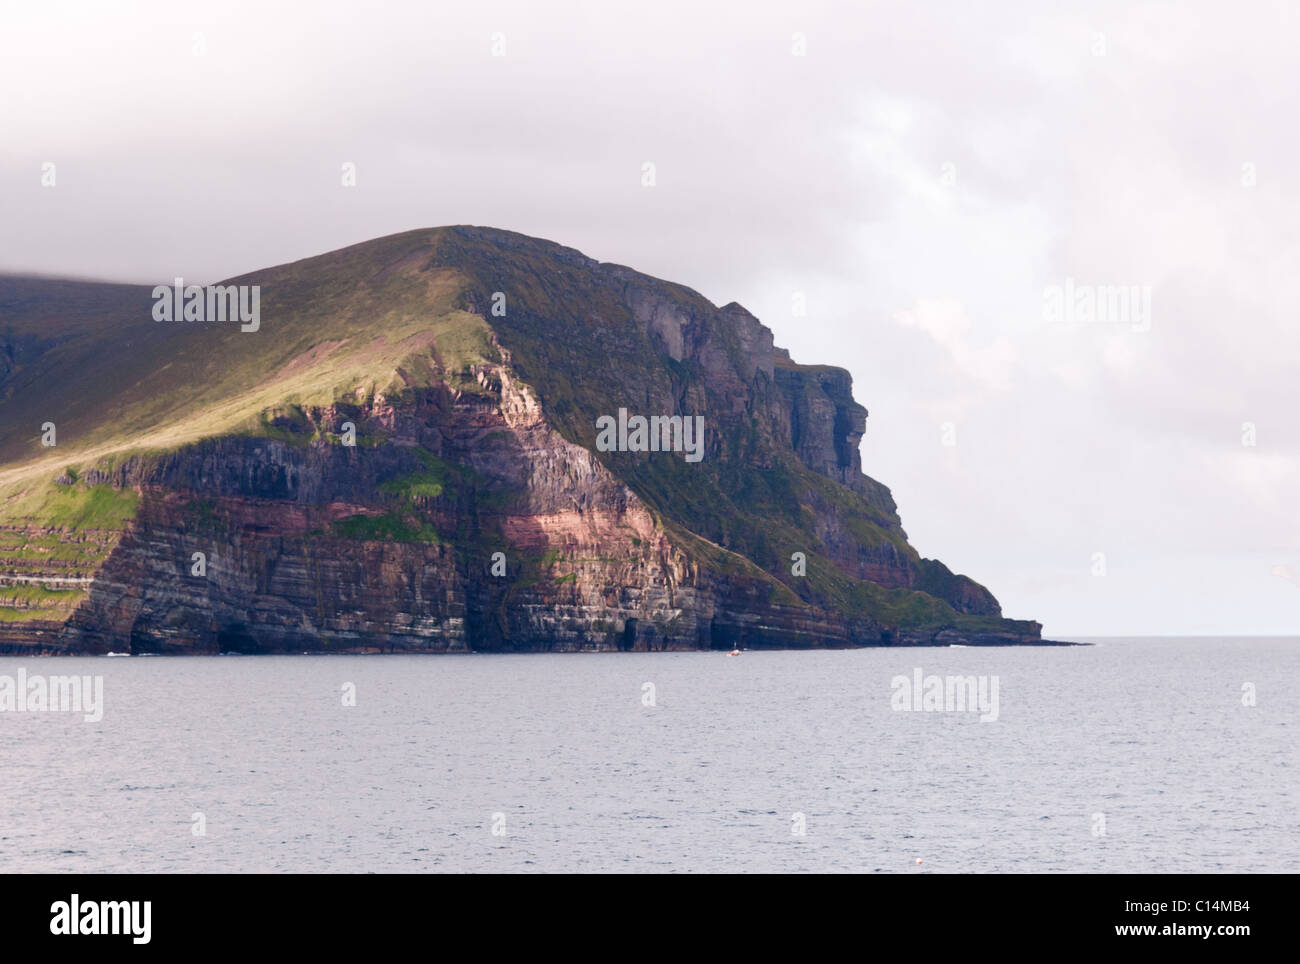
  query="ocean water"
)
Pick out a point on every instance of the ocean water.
point(1131, 755)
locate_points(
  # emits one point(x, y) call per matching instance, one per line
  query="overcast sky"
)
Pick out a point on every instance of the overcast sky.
point(921, 175)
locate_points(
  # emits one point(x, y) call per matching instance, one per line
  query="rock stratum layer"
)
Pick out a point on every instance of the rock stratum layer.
point(403, 458)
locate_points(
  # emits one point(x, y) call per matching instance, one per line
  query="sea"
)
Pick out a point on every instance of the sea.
point(1149, 755)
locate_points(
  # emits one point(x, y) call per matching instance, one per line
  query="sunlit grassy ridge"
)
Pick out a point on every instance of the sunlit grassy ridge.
point(371, 320)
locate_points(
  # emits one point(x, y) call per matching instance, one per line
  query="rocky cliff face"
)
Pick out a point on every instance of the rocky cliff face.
point(459, 502)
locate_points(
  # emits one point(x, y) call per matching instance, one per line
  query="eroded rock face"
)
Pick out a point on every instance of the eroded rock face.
point(587, 566)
